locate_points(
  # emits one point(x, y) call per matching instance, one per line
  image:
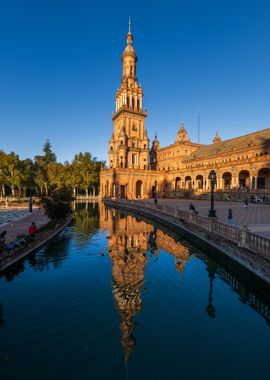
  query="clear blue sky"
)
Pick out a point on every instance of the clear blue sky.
point(60, 65)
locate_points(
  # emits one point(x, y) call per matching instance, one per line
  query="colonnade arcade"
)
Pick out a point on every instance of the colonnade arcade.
point(236, 179)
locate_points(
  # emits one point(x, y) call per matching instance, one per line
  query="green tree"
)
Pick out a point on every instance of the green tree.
point(12, 171)
point(49, 155)
point(41, 167)
point(2, 176)
point(56, 175)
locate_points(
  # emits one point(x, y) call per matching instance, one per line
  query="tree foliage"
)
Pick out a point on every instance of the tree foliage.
point(45, 174)
point(58, 205)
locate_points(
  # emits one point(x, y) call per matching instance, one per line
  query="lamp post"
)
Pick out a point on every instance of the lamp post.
point(213, 178)
point(30, 189)
point(253, 184)
point(155, 200)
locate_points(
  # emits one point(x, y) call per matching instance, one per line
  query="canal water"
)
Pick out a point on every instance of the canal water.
point(118, 297)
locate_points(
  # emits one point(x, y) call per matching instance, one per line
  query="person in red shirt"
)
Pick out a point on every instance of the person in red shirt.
point(32, 230)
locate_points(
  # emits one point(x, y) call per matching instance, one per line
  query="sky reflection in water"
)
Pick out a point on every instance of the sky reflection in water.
point(117, 297)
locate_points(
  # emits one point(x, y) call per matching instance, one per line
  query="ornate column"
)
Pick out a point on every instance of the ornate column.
point(255, 182)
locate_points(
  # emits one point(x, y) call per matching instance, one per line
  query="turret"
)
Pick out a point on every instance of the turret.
point(182, 136)
point(153, 153)
point(217, 138)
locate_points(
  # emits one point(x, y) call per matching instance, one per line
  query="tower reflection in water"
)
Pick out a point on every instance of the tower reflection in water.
point(131, 242)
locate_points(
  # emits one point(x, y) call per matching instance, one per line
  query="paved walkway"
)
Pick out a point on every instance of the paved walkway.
point(9, 215)
point(255, 216)
point(16, 222)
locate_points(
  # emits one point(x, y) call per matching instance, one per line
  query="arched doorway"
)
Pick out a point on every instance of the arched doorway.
point(199, 182)
point(177, 183)
point(139, 189)
point(227, 180)
point(263, 181)
point(244, 180)
point(188, 183)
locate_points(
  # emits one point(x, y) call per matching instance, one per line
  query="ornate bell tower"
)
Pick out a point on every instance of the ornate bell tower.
point(129, 144)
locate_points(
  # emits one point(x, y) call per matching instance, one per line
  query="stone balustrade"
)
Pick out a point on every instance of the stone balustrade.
point(240, 236)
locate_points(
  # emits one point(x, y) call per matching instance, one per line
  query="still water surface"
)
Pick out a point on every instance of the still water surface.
point(116, 297)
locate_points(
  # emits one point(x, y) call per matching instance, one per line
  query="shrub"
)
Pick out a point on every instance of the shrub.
point(58, 205)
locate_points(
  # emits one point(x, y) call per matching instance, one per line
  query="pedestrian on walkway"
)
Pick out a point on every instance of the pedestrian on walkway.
point(32, 230)
point(230, 217)
point(246, 203)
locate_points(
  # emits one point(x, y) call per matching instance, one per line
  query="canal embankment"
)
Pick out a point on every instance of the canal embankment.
point(237, 244)
point(46, 234)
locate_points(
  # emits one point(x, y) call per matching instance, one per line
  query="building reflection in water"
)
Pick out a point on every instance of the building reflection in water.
point(131, 242)
point(211, 269)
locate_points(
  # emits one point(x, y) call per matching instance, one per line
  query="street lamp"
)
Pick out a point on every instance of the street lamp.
point(213, 178)
point(155, 200)
point(30, 189)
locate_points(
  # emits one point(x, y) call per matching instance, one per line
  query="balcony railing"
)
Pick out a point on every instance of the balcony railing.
point(240, 236)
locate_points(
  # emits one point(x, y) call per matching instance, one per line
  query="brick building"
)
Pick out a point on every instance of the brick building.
point(242, 164)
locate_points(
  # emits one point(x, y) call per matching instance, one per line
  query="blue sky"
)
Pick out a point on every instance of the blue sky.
point(60, 66)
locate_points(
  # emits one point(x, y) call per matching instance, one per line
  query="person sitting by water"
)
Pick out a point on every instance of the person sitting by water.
point(32, 230)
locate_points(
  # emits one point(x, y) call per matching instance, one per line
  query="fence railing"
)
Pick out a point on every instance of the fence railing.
point(240, 236)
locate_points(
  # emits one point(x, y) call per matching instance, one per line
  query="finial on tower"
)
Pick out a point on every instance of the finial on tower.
point(129, 35)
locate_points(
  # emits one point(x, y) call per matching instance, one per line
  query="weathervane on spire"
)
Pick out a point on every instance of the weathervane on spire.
point(129, 25)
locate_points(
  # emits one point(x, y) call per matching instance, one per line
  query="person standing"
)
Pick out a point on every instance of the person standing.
point(230, 217)
point(32, 230)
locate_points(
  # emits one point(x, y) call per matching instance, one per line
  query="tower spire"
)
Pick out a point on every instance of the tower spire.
point(129, 25)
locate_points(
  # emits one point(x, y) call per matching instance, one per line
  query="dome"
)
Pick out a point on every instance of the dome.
point(129, 50)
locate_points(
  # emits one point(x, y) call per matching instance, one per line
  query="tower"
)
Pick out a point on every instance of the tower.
point(129, 144)
point(153, 153)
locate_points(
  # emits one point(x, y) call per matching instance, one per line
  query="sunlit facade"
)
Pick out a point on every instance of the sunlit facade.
point(135, 170)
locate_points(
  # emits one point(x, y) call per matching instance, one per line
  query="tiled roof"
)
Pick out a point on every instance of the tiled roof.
point(232, 145)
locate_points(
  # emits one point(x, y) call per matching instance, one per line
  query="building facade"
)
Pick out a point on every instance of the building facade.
point(136, 171)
